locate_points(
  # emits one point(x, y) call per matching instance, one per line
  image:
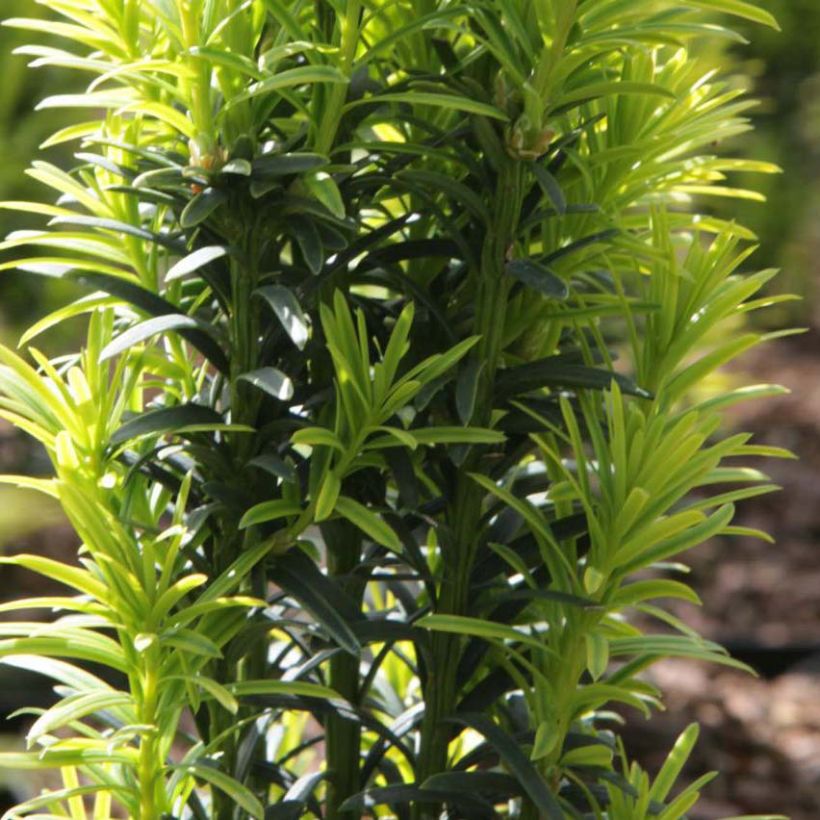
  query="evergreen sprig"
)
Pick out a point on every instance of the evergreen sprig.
point(366, 508)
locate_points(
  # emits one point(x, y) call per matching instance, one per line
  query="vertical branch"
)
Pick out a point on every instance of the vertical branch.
point(458, 557)
point(342, 736)
point(230, 542)
point(149, 767)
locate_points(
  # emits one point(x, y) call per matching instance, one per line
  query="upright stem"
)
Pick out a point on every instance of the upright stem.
point(343, 737)
point(564, 680)
point(244, 332)
point(150, 761)
point(441, 690)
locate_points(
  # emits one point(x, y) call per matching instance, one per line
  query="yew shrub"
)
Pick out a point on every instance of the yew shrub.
point(372, 522)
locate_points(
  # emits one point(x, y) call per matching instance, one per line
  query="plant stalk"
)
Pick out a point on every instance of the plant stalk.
point(244, 407)
point(343, 737)
point(441, 691)
point(150, 761)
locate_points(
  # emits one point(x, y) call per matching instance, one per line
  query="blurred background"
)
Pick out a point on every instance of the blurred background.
point(761, 600)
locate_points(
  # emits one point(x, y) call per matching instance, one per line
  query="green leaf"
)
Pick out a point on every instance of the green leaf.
point(451, 102)
point(467, 388)
point(275, 466)
point(176, 592)
point(309, 242)
point(674, 763)
point(248, 688)
point(86, 304)
point(690, 537)
point(516, 762)
point(145, 330)
point(603, 89)
point(538, 278)
point(216, 690)
point(289, 78)
point(269, 511)
point(191, 642)
point(594, 755)
point(580, 244)
point(193, 611)
point(677, 809)
point(323, 188)
point(278, 165)
point(288, 311)
point(551, 188)
point(553, 595)
point(333, 609)
point(478, 628)
point(243, 797)
point(398, 345)
point(595, 695)
point(46, 486)
point(201, 207)
point(196, 260)
point(661, 529)
point(328, 495)
point(117, 227)
point(640, 591)
point(164, 113)
point(367, 521)
point(52, 797)
point(438, 364)
point(474, 782)
point(154, 305)
point(555, 372)
point(675, 646)
point(463, 195)
point(235, 574)
point(402, 437)
point(55, 758)
point(411, 24)
point(74, 577)
point(457, 435)
point(76, 707)
point(597, 654)
point(537, 523)
point(738, 8)
point(546, 738)
point(66, 673)
point(317, 437)
point(185, 417)
point(272, 381)
point(227, 59)
point(78, 644)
